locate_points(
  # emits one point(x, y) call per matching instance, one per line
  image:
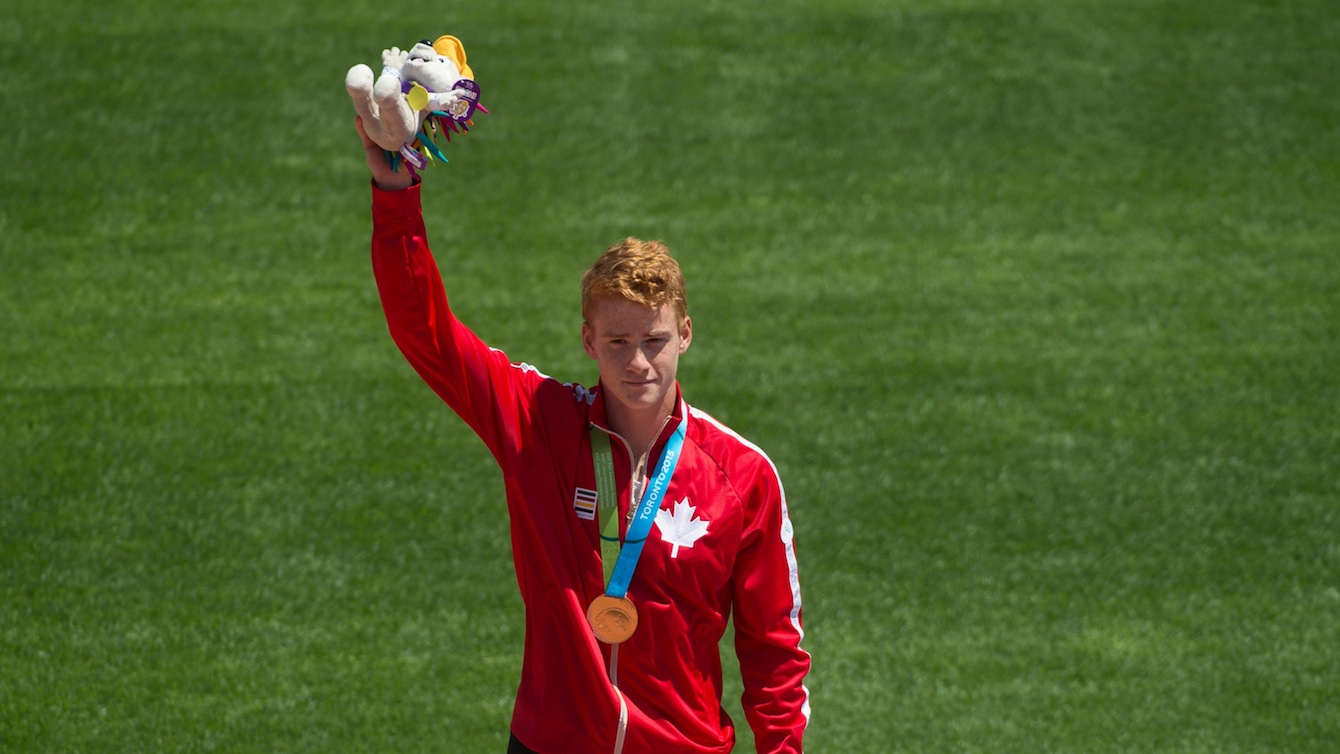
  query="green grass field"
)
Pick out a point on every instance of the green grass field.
point(1035, 304)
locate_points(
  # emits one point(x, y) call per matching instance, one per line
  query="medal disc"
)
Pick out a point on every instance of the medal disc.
point(613, 619)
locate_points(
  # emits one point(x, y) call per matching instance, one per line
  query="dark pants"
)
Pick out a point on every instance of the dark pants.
point(516, 747)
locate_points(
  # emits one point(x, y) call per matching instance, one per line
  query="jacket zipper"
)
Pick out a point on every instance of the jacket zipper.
point(632, 507)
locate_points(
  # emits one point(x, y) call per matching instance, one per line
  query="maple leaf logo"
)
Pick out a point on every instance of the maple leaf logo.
point(680, 529)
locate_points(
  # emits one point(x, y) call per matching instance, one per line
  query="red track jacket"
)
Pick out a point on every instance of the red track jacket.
point(722, 542)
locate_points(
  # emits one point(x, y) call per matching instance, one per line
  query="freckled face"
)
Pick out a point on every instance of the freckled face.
point(638, 350)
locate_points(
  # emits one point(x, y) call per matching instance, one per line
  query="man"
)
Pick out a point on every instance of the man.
point(623, 617)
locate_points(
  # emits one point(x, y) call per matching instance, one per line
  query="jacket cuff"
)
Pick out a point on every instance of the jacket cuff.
point(400, 203)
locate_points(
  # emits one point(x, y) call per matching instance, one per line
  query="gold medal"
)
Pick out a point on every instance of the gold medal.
point(613, 619)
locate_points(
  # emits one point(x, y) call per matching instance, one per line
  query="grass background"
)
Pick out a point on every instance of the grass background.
point(1034, 304)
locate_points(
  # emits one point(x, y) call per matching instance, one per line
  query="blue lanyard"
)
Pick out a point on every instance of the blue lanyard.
point(640, 526)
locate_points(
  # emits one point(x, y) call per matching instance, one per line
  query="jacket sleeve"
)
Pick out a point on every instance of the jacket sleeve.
point(477, 382)
point(768, 628)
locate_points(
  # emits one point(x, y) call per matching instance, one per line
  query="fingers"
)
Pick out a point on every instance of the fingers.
point(362, 132)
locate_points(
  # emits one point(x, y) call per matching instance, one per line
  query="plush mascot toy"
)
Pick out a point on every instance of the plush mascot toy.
point(422, 93)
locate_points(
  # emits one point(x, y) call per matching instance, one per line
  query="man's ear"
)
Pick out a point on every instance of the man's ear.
point(588, 340)
point(685, 335)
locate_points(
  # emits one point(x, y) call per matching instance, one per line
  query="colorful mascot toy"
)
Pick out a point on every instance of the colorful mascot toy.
point(422, 94)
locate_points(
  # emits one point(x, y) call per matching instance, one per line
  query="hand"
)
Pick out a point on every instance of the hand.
point(382, 174)
point(395, 58)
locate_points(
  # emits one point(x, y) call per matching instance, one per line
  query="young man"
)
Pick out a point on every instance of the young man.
point(639, 525)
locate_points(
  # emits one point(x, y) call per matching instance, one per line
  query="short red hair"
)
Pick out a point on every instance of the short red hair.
point(639, 271)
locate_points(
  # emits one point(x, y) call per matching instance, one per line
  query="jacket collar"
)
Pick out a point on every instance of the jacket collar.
point(599, 417)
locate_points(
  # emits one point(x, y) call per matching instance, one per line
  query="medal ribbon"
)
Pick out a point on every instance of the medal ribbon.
point(619, 563)
point(606, 499)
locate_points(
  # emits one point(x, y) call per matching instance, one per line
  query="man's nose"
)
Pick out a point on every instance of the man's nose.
point(641, 359)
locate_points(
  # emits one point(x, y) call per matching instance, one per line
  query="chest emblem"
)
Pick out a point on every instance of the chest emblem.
point(681, 528)
point(584, 503)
